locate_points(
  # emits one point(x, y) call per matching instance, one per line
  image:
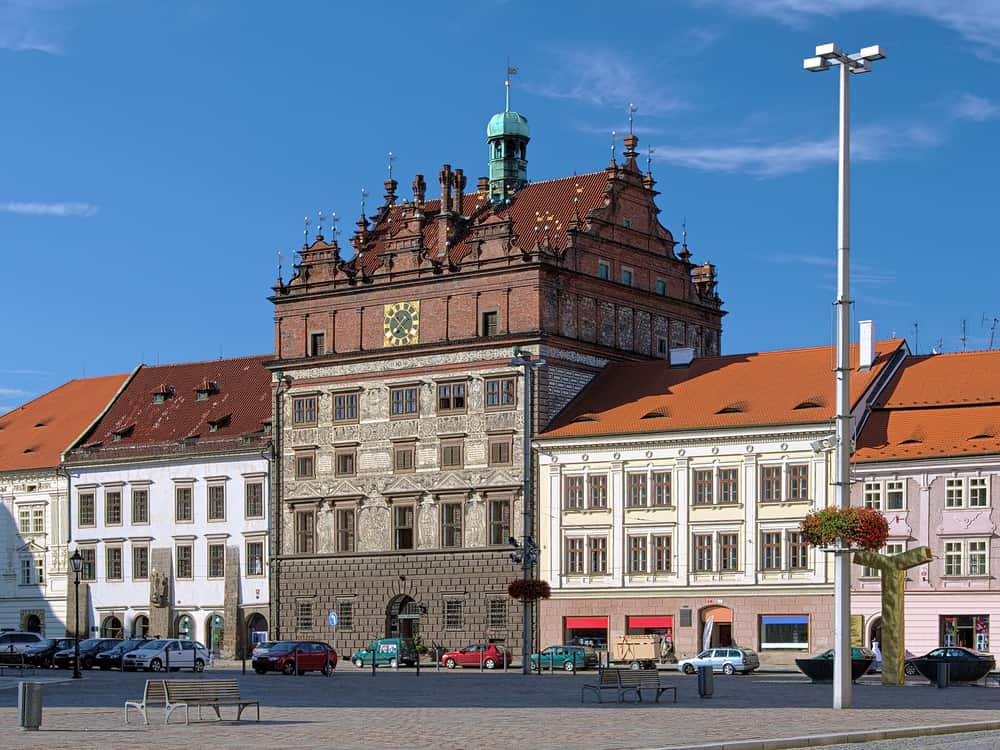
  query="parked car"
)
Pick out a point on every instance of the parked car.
point(261, 648)
point(167, 653)
point(489, 655)
point(564, 657)
point(819, 668)
point(41, 653)
point(115, 656)
point(965, 664)
point(297, 657)
point(17, 642)
point(391, 652)
point(89, 649)
point(728, 660)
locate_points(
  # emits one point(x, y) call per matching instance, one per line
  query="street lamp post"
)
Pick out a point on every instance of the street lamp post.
point(76, 560)
point(529, 554)
point(826, 56)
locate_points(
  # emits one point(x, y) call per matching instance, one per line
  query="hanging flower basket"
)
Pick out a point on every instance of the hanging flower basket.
point(529, 589)
point(846, 529)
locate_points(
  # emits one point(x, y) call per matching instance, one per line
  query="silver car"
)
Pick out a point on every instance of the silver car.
point(726, 660)
point(15, 642)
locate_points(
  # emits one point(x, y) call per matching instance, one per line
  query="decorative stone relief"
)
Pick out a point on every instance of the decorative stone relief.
point(475, 521)
point(373, 525)
point(427, 512)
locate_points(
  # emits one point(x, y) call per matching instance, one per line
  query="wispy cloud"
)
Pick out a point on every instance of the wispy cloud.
point(604, 78)
point(976, 108)
point(25, 372)
point(13, 393)
point(978, 21)
point(29, 208)
point(30, 26)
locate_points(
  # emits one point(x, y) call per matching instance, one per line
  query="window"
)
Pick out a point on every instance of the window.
point(216, 561)
point(454, 618)
point(304, 411)
point(345, 407)
point(402, 524)
point(598, 554)
point(894, 548)
point(404, 401)
point(500, 393)
point(345, 530)
point(729, 486)
point(27, 572)
point(788, 631)
point(978, 497)
point(113, 563)
point(182, 504)
point(954, 493)
point(798, 551)
point(88, 566)
point(953, 558)
point(491, 323)
point(977, 558)
point(305, 464)
point(627, 276)
point(345, 615)
point(255, 558)
point(451, 398)
point(500, 450)
point(662, 554)
point(703, 487)
point(499, 521)
point(317, 344)
point(574, 556)
point(636, 490)
point(662, 347)
point(254, 493)
point(873, 495)
point(403, 458)
point(344, 460)
point(603, 270)
point(451, 454)
point(38, 520)
point(770, 484)
point(140, 506)
point(24, 520)
point(451, 524)
point(661, 287)
point(217, 502)
point(305, 616)
point(637, 554)
point(140, 563)
point(770, 550)
point(497, 614)
point(305, 532)
point(573, 493)
point(895, 497)
point(702, 552)
point(184, 561)
point(729, 549)
point(85, 511)
point(598, 490)
point(798, 482)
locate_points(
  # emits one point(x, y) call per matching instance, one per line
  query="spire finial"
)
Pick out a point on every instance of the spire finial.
point(511, 71)
point(685, 254)
point(305, 233)
point(614, 136)
point(280, 258)
point(333, 226)
point(319, 226)
point(632, 109)
point(392, 158)
point(649, 160)
point(364, 196)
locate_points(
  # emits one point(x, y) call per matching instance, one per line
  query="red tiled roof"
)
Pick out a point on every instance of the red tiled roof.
point(34, 436)
point(936, 406)
point(240, 405)
point(793, 386)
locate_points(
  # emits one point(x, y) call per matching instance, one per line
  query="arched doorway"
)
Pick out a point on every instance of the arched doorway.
point(875, 630)
point(111, 627)
point(33, 624)
point(215, 627)
point(140, 627)
point(184, 627)
point(402, 617)
point(256, 631)
point(716, 627)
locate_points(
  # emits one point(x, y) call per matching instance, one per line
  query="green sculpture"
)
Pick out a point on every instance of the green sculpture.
point(893, 569)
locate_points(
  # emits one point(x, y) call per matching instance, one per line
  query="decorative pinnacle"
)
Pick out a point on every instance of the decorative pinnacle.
point(364, 195)
point(319, 226)
point(649, 159)
point(614, 135)
point(280, 258)
point(632, 109)
point(305, 232)
point(392, 158)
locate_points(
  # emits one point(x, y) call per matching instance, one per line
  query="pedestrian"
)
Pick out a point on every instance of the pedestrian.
point(878, 656)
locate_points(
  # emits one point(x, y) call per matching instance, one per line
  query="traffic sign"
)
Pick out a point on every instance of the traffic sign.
point(333, 619)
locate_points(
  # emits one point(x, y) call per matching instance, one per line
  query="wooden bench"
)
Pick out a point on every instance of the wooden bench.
point(607, 679)
point(637, 680)
point(211, 693)
point(154, 694)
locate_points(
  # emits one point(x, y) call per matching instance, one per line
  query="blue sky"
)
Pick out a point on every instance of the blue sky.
point(155, 156)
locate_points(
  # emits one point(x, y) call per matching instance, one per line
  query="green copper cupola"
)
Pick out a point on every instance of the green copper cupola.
point(507, 135)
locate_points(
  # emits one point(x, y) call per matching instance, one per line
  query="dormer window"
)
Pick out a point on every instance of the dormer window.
point(215, 423)
point(121, 432)
point(205, 389)
point(162, 393)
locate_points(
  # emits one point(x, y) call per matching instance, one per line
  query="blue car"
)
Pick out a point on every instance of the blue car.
point(568, 658)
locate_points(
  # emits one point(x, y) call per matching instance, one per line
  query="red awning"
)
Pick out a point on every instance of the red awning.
point(643, 621)
point(586, 623)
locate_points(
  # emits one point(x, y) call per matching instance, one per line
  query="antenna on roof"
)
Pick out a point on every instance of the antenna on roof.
point(993, 327)
point(916, 337)
point(964, 337)
point(632, 109)
point(392, 158)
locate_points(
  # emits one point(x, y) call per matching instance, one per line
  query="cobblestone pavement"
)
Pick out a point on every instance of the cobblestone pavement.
point(467, 709)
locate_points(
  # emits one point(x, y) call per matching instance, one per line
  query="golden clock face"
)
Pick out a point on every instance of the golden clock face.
point(401, 323)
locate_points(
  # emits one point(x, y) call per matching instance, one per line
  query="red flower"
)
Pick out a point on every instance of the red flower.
point(854, 527)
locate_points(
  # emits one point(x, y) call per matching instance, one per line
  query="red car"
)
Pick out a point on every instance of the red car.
point(489, 655)
point(297, 657)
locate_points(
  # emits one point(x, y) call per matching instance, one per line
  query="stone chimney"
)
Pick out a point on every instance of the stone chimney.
point(419, 190)
point(483, 185)
point(444, 177)
point(458, 182)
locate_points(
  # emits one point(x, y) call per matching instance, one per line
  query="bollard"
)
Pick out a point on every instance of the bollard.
point(706, 682)
point(480, 661)
point(943, 674)
point(418, 664)
point(29, 706)
point(573, 668)
point(373, 662)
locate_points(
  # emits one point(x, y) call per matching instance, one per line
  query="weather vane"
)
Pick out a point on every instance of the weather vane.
point(305, 232)
point(614, 134)
point(319, 226)
point(364, 195)
point(392, 158)
point(632, 109)
point(280, 258)
point(649, 159)
point(333, 225)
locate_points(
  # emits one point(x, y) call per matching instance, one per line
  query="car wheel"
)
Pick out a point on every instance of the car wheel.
point(258, 670)
point(46, 662)
point(199, 665)
point(568, 666)
point(450, 663)
point(88, 662)
point(359, 663)
point(288, 668)
point(393, 663)
point(689, 669)
point(156, 665)
point(635, 666)
point(327, 669)
point(533, 666)
point(910, 669)
point(490, 664)
point(727, 669)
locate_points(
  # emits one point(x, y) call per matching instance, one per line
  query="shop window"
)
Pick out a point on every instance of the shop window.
point(587, 631)
point(784, 632)
point(968, 631)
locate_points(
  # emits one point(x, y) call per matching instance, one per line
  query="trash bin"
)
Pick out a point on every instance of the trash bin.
point(706, 682)
point(29, 705)
point(943, 674)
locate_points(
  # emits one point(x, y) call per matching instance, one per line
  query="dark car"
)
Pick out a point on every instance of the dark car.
point(965, 665)
point(114, 656)
point(819, 668)
point(89, 649)
point(568, 658)
point(297, 657)
point(40, 655)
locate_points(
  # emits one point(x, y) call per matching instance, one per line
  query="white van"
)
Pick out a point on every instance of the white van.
point(167, 654)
